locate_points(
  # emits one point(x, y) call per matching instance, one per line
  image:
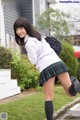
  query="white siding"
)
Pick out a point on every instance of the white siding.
point(2, 28)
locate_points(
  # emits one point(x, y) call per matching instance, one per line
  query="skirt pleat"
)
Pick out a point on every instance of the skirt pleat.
point(52, 71)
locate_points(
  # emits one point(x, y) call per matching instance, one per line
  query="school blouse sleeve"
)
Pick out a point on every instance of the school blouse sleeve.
point(32, 52)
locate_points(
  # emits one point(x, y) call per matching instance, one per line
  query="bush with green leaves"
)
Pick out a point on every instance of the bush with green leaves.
point(5, 58)
point(67, 55)
point(24, 72)
point(78, 71)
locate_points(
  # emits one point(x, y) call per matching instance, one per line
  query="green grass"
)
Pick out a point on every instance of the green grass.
point(32, 106)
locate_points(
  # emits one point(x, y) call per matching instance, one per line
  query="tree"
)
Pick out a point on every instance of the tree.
point(54, 21)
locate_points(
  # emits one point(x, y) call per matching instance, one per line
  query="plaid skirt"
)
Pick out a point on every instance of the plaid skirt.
point(52, 71)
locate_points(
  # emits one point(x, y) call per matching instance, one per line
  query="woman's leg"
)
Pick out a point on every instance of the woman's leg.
point(67, 84)
point(48, 90)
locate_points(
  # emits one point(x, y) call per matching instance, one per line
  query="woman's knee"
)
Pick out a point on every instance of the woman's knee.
point(49, 96)
point(48, 89)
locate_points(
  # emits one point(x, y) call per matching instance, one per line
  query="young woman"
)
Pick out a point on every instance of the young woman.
point(47, 61)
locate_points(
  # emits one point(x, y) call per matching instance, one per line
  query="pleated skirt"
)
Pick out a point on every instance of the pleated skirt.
point(52, 71)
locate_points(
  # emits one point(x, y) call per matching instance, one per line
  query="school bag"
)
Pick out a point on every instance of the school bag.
point(54, 44)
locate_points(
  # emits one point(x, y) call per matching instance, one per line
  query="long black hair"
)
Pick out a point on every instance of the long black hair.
point(23, 22)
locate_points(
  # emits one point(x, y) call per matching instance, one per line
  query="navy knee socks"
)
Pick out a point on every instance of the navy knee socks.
point(72, 90)
point(49, 110)
point(75, 87)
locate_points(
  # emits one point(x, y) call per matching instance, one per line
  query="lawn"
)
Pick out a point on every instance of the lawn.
point(32, 106)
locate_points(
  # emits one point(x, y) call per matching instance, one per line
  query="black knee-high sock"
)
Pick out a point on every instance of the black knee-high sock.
point(49, 110)
point(72, 90)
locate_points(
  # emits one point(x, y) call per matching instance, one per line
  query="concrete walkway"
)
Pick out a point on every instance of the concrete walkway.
point(69, 112)
point(18, 96)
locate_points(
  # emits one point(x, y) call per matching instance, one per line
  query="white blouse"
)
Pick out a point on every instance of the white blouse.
point(40, 53)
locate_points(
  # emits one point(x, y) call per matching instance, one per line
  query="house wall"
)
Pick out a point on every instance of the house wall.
point(21, 8)
point(2, 28)
point(76, 40)
point(30, 9)
point(26, 9)
point(36, 11)
point(11, 13)
point(13, 9)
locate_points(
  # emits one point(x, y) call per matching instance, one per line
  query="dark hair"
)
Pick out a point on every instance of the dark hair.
point(23, 22)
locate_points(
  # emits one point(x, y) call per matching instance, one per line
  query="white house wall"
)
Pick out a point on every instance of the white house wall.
point(36, 10)
point(2, 27)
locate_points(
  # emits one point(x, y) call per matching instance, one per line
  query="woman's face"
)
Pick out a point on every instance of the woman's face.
point(21, 32)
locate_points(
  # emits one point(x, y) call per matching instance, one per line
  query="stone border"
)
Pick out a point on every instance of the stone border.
point(65, 108)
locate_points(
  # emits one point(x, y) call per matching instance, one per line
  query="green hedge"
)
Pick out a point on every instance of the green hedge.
point(24, 72)
point(67, 55)
point(5, 58)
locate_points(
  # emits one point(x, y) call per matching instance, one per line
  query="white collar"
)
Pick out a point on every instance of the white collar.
point(26, 38)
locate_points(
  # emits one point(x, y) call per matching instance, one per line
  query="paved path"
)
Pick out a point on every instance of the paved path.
point(18, 96)
point(69, 112)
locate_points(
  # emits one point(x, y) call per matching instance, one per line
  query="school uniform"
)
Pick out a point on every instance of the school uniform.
point(44, 58)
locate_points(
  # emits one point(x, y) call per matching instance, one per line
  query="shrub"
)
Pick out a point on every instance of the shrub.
point(78, 71)
point(67, 55)
point(5, 58)
point(24, 72)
